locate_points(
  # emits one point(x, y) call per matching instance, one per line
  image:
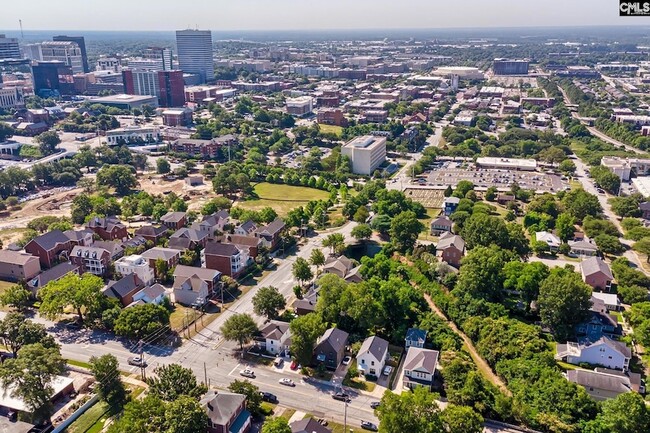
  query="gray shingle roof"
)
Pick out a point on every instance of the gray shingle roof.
point(204, 274)
point(156, 253)
point(423, 359)
point(335, 337)
point(274, 330)
point(308, 425)
point(416, 334)
point(219, 249)
point(377, 347)
point(49, 240)
point(447, 240)
point(173, 217)
point(594, 265)
point(221, 405)
point(592, 379)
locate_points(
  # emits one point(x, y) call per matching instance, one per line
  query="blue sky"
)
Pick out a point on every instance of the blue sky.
point(306, 14)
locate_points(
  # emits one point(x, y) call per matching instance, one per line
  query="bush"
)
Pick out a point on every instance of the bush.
point(371, 378)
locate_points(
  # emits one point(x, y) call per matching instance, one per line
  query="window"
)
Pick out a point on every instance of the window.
point(372, 362)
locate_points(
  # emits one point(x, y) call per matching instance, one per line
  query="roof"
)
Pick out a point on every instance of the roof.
point(50, 240)
point(108, 223)
point(619, 346)
point(151, 230)
point(273, 227)
point(173, 217)
point(447, 240)
point(377, 347)
point(152, 292)
point(59, 383)
point(15, 257)
point(607, 298)
point(122, 287)
point(274, 330)
point(248, 241)
point(442, 221)
point(308, 425)
point(645, 205)
point(221, 405)
point(218, 249)
point(415, 334)
point(114, 248)
point(548, 238)
point(594, 265)
point(248, 226)
point(451, 200)
point(583, 245)
point(156, 253)
point(204, 274)
point(599, 380)
point(335, 337)
point(77, 235)
point(88, 252)
point(53, 274)
point(421, 359)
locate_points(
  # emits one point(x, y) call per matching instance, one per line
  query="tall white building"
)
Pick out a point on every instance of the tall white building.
point(195, 52)
point(135, 264)
point(9, 48)
point(11, 97)
point(366, 153)
point(108, 64)
point(67, 52)
point(33, 52)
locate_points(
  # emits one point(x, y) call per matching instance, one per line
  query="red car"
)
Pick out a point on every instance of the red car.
point(294, 365)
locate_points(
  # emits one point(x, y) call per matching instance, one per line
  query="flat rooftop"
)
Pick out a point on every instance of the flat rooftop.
point(364, 141)
point(122, 98)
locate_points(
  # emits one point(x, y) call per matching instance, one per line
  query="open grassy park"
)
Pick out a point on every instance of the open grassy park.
point(333, 129)
point(282, 198)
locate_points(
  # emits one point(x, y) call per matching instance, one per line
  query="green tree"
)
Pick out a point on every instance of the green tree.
point(579, 203)
point(448, 191)
point(47, 142)
point(362, 232)
point(30, 377)
point(567, 167)
point(491, 193)
point(482, 272)
point(317, 258)
point(120, 177)
point(301, 270)
point(6, 132)
point(643, 246)
point(147, 415)
point(185, 415)
point(240, 328)
point(361, 215)
point(461, 419)
point(17, 297)
point(276, 425)
point(484, 230)
point(564, 301)
point(162, 166)
point(632, 294)
point(107, 375)
point(609, 244)
point(16, 331)
point(215, 205)
point(606, 179)
point(565, 226)
point(252, 393)
point(381, 223)
point(404, 230)
point(305, 331)
point(335, 242)
point(141, 321)
point(172, 381)
point(82, 293)
point(462, 188)
point(268, 301)
point(627, 413)
point(415, 411)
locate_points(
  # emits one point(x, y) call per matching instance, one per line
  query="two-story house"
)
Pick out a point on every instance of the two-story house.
point(225, 258)
point(599, 323)
point(91, 259)
point(82, 238)
point(17, 266)
point(330, 348)
point(372, 356)
point(154, 294)
point(194, 286)
point(605, 352)
point(249, 243)
point(271, 234)
point(50, 248)
point(343, 268)
point(596, 273)
point(277, 337)
point(168, 255)
point(55, 273)
point(108, 228)
point(441, 225)
point(450, 249)
point(174, 220)
point(449, 205)
point(226, 412)
point(246, 228)
point(124, 289)
point(419, 367)
point(151, 233)
point(187, 239)
point(135, 264)
point(213, 224)
point(415, 338)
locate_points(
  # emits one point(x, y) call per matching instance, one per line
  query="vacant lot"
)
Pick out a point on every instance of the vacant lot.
point(337, 130)
point(429, 198)
point(282, 198)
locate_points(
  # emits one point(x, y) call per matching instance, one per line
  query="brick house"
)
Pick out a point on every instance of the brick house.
point(225, 258)
point(174, 220)
point(450, 249)
point(226, 412)
point(50, 247)
point(91, 259)
point(108, 228)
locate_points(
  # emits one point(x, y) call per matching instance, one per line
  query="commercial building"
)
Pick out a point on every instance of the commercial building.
point(624, 167)
point(81, 43)
point(11, 97)
point(331, 116)
point(126, 102)
point(202, 148)
point(366, 153)
point(9, 48)
point(133, 135)
point(52, 79)
point(177, 117)
point(464, 72)
point(168, 86)
point(300, 106)
point(108, 64)
point(195, 52)
point(67, 52)
point(510, 67)
point(507, 163)
point(154, 59)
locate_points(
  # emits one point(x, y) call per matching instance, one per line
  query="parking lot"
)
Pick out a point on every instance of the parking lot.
point(450, 173)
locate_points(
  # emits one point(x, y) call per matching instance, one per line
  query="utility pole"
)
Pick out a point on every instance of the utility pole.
point(345, 416)
point(142, 364)
point(205, 374)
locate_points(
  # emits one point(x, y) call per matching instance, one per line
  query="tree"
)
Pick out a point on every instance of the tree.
point(107, 375)
point(606, 179)
point(163, 166)
point(305, 331)
point(252, 393)
point(47, 142)
point(362, 232)
point(415, 411)
point(462, 188)
point(142, 321)
point(276, 425)
point(381, 223)
point(120, 177)
point(16, 331)
point(627, 413)
point(172, 381)
point(579, 203)
point(565, 226)
point(482, 272)
point(404, 230)
point(147, 415)
point(82, 293)
point(268, 301)
point(240, 328)
point(564, 301)
point(609, 244)
point(30, 377)
point(301, 270)
point(632, 294)
point(361, 215)
point(185, 415)
point(335, 242)
point(461, 419)
point(643, 246)
point(448, 191)
point(567, 167)
point(17, 297)
point(215, 205)
point(491, 193)
point(484, 230)
point(6, 132)
point(317, 258)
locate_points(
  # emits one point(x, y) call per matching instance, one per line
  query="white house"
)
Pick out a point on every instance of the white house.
point(372, 356)
point(135, 264)
point(151, 295)
point(549, 239)
point(612, 303)
point(606, 352)
point(277, 337)
point(419, 367)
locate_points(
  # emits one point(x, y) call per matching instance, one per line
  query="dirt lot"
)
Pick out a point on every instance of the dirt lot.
point(429, 198)
point(196, 196)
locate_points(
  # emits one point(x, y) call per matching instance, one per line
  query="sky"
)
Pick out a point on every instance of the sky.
point(124, 15)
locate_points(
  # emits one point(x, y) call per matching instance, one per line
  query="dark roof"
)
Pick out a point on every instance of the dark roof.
point(308, 425)
point(593, 265)
point(218, 249)
point(377, 347)
point(272, 228)
point(274, 330)
point(645, 205)
point(108, 223)
point(156, 253)
point(77, 235)
point(114, 248)
point(53, 274)
point(88, 252)
point(135, 241)
point(248, 226)
point(442, 221)
point(335, 337)
point(151, 231)
point(221, 405)
point(122, 287)
point(248, 241)
point(50, 240)
point(592, 379)
point(173, 217)
point(415, 334)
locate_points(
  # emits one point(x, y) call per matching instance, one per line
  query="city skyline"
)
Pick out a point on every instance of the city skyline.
point(149, 15)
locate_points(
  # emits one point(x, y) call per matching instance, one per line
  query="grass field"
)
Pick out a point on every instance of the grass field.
point(282, 198)
point(331, 129)
point(92, 420)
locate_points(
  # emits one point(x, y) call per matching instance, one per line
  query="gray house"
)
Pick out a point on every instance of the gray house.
point(330, 348)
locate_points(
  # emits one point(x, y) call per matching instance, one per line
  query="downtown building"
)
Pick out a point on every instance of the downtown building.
point(52, 78)
point(67, 52)
point(510, 67)
point(9, 48)
point(194, 49)
point(167, 86)
point(81, 43)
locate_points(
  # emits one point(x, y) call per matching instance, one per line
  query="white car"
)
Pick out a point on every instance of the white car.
point(247, 372)
point(346, 360)
point(286, 382)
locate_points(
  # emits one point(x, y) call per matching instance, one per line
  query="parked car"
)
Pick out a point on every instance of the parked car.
point(137, 361)
point(278, 362)
point(388, 370)
point(286, 382)
point(374, 404)
point(367, 425)
point(294, 365)
point(346, 360)
point(267, 396)
point(341, 396)
point(247, 372)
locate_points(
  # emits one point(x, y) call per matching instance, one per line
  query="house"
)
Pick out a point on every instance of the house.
point(169, 255)
point(441, 225)
point(152, 233)
point(549, 239)
point(154, 294)
point(50, 248)
point(91, 259)
point(114, 248)
point(645, 209)
point(603, 384)
point(135, 264)
point(271, 234)
point(246, 228)
point(17, 266)
point(174, 220)
point(124, 289)
point(82, 238)
point(59, 388)
point(419, 367)
point(307, 304)
point(449, 205)
point(308, 425)
point(372, 356)
point(415, 338)
point(226, 412)
point(605, 352)
point(611, 301)
point(340, 266)
point(212, 224)
point(194, 286)
point(504, 199)
point(225, 258)
point(582, 248)
point(600, 323)
point(134, 242)
point(596, 273)
point(450, 249)
point(53, 274)
point(277, 337)
point(187, 239)
point(108, 228)
point(249, 243)
point(330, 348)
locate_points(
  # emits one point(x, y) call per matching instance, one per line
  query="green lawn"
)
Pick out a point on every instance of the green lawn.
point(287, 414)
point(92, 420)
point(282, 198)
point(338, 428)
point(331, 129)
point(4, 285)
point(78, 363)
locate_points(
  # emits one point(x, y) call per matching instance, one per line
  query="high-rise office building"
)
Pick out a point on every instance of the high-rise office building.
point(33, 52)
point(81, 42)
point(167, 86)
point(67, 52)
point(510, 67)
point(52, 79)
point(9, 48)
point(162, 55)
point(194, 49)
